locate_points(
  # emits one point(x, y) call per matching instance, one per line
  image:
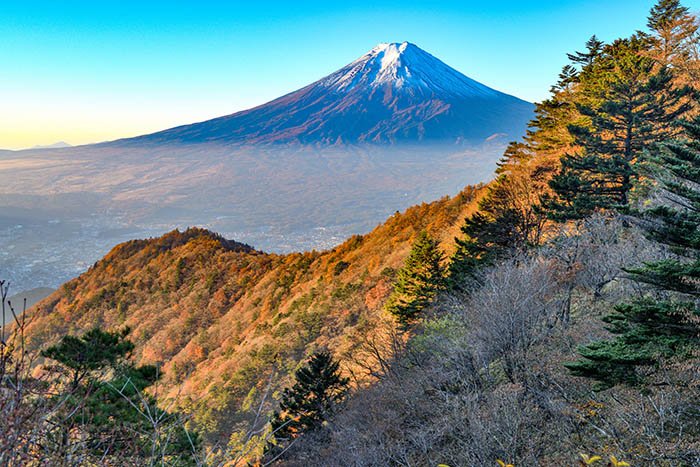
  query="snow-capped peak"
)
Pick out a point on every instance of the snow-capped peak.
point(394, 93)
point(404, 66)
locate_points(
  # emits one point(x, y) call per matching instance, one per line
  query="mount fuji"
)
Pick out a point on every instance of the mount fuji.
point(394, 94)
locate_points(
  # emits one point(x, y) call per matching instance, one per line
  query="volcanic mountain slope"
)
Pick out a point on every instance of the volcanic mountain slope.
point(395, 93)
point(220, 316)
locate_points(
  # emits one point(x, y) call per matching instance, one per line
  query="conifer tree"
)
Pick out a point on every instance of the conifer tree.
point(548, 131)
point(586, 183)
point(674, 36)
point(509, 217)
point(635, 107)
point(419, 281)
point(486, 236)
point(667, 324)
point(94, 351)
point(473, 250)
point(101, 397)
point(317, 389)
point(594, 47)
point(580, 152)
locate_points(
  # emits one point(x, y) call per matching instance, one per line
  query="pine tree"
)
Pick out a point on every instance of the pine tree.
point(317, 389)
point(548, 131)
point(586, 183)
point(102, 395)
point(674, 35)
point(677, 169)
point(485, 238)
point(94, 351)
point(419, 281)
point(594, 47)
point(647, 331)
point(631, 107)
point(509, 217)
point(667, 325)
point(473, 251)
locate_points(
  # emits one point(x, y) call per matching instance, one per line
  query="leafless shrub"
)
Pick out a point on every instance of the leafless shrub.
point(373, 359)
point(21, 422)
point(659, 427)
point(516, 307)
point(594, 253)
point(45, 422)
point(460, 392)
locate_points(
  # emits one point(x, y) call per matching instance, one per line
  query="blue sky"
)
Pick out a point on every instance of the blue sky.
point(90, 71)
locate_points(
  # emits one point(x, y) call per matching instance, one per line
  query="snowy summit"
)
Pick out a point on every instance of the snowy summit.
point(394, 94)
point(405, 66)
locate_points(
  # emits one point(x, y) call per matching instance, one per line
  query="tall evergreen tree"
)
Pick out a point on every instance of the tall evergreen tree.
point(580, 152)
point(317, 389)
point(497, 228)
point(631, 106)
point(475, 249)
point(419, 281)
point(548, 131)
point(594, 47)
point(675, 41)
point(667, 324)
point(586, 183)
point(509, 217)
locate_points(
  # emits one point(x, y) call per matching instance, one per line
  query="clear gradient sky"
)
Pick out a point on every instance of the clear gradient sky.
point(88, 71)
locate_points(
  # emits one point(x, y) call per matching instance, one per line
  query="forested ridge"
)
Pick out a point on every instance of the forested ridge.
point(547, 318)
point(227, 325)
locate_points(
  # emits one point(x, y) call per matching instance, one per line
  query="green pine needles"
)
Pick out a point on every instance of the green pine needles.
point(665, 325)
point(102, 404)
point(647, 331)
point(317, 389)
point(94, 351)
point(419, 281)
point(630, 105)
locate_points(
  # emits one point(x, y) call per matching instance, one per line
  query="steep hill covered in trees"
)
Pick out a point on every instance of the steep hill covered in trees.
point(219, 316)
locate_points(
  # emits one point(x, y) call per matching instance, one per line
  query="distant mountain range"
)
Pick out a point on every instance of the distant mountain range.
point(395, 93)
point(57, 145)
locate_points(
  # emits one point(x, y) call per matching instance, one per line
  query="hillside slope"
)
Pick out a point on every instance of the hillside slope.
point(219, 316)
